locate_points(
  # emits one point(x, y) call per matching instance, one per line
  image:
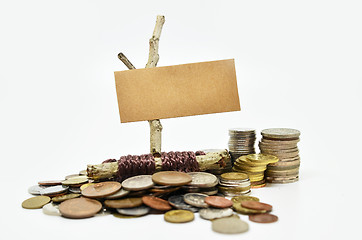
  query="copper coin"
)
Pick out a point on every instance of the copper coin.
point(156, 203)
point(80, 208)
point(218, 202)
point(50, 183)
point(172, 178)
point(263, 218)
point(123, 203)
point(256, 205)
point(101, 189)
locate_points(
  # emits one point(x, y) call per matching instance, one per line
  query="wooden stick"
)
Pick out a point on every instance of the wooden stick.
point(155, 125)
point(216, 160)
point(125, 60)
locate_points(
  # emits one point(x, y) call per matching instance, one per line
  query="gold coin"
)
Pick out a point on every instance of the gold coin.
point(244, 161)
point(240, 209)
point(85, 185)
point(244, 198)
point(65, 197)
point(35, 202)
point(234, 176)
point(75, 180)
point(179, 216)
point(263, 158)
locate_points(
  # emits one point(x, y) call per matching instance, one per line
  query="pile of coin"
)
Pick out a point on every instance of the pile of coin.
point(282, 143)
point(234, 184)
point(241, 142)
point(254, 165)
point(257, 211)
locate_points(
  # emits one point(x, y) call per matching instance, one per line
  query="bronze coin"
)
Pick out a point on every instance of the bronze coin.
point(101, 189)
point(172, 178)
point(156, 203)
point(256, 205)
point(123, 203)
point(263, 218)
point(80, 208)
point(50, 183)
point(218, 202)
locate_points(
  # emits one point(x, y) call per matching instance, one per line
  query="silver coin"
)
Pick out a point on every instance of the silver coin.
point(210, 192)
point(75, 190)
point(213, 213)
point(35, 190)
point(119, 194)
point(53, 190)
point(137, 183)
point(136, 211)
point(51, 209)
point(203, 179)
point(178, 202)
point(83, 172)
point(229, 225)
point(196, 199)
point(280, 133)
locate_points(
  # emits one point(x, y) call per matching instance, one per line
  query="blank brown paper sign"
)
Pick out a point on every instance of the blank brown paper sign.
point(177, 91)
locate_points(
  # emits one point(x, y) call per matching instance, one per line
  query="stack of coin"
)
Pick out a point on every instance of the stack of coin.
point(202, 182)
point(282, 143)
point(234, 184)
point(254, 165)
point(241, 142)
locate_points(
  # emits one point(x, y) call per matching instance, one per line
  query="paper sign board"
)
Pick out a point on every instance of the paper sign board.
point(177, 91)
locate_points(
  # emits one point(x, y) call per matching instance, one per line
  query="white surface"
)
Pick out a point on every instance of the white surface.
point(298, 65)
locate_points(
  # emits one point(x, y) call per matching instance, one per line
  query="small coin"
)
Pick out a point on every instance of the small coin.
point(234, 176)
point(203, 179)
point(75, 180)
point(229, 225)
point(71, 176)
point(35, 190)
point(218, 202)
point(178, 202)
point(83, 172)
point(124, 203)
point(80, 207)
point(179, 216)
point(280, 133)
point(50, 183)
point(101, 189)
point(137, 183)
point(53, 191)
point(262, 158)
point(213, 213)
point(51, 209)
point(240, 209)
point(118, 215)
point(75, 190)
point(65, 197)
point(35, 202)
point(228, 194)
point(156, 203)
point(136, 211)
point(244, 198)
point(256, 205)
point(121, 193)
point(263, 218)
point(196, 199)
point(172, 178)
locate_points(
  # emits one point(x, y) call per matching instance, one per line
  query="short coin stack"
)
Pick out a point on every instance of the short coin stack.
point(202, 182)
point(282, 143)
point(241, 142)
point(234, 184)
point(254, 165)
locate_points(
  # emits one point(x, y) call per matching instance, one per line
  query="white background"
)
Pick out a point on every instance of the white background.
point(298, 65)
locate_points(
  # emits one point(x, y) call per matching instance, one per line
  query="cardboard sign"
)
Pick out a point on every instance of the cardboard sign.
point(177, 91)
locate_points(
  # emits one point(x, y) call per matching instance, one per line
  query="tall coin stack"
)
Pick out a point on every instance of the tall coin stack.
point(282, 143)
point(241, 142)
point(234, 184)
